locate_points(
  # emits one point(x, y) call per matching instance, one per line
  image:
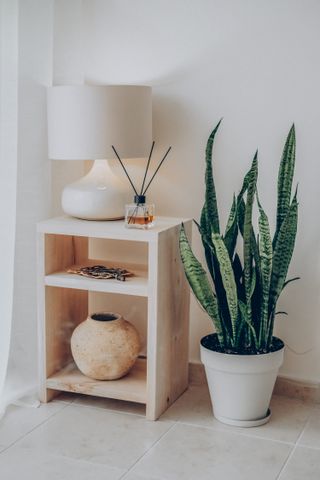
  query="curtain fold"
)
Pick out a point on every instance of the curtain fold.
point(8, 176)
point(26, 45)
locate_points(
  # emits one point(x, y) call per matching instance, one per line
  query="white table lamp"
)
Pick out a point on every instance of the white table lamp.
point(83, 124)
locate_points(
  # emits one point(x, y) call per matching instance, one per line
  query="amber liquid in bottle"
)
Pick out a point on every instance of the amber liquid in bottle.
point(140, 220)
point(139, 215)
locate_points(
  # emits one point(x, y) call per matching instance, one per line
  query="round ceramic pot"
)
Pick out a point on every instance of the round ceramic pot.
point(241, 385)
point(105, 346)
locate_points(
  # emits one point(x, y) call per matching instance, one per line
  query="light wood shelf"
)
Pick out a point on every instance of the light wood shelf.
point(136, 285)
point(132, 387)
point(63, 303)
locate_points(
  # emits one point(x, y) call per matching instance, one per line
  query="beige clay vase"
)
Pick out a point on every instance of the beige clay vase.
point(105, 346)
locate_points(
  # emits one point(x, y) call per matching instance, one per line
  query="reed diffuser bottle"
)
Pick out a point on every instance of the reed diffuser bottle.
point(139, 214)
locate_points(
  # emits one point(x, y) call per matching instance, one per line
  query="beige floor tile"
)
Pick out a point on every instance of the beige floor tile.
point(19, 463)
point(304, 464)
point(287, 421)
point(204, 454)
point(110, 404)
point(311, 434)
point(65, 397)
point(96, 435)
point(134, 476)
point(20, 420)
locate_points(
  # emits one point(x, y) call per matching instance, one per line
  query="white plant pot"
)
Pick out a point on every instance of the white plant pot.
point(241, 385)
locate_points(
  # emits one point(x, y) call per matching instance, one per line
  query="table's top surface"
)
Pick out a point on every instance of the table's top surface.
point(107, 229)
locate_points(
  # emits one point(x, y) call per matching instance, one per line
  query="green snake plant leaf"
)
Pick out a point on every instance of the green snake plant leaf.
point(231, 233)
point(210, 215)
point(245, 320)
point(247, 232)
point(232, 215)
point(228, 279)
point(206, 242)
point(245, 184)
point(230, 237)
point(213, 267)
point(281, 259)
point(285, 177)
point(198, 281)
point(266, 254)
point(240, 213)
point(253, 282)
point(289, 281)
point(254, 245)
point(238, 275)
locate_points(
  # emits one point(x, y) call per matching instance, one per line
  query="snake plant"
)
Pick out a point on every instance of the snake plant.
point(240, 290)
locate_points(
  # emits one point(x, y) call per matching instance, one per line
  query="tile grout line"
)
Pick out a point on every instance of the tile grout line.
point(241, 434)
point(293, 449)
point(140, 415)
point(34, 428)
point(148, 450)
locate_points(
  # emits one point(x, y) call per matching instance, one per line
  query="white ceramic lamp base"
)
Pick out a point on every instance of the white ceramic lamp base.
point(99, 195)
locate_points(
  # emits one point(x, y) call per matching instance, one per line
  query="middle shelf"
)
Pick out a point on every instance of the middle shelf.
point(136, 285)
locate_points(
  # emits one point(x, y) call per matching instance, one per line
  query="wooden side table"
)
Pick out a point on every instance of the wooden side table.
point(159, 378)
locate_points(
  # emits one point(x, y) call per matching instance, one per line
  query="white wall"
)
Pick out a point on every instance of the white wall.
point(253, 62)
point(67, 69)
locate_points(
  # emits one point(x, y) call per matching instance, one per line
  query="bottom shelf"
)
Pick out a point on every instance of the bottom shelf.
point(132, 387)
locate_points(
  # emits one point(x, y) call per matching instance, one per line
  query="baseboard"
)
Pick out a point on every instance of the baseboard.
point(305, 391)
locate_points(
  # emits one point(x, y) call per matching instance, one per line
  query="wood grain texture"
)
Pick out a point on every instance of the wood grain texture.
point(135, 285)
point(59, 310)
point(115, 230)
point(63, 303)
point(132, 387)
point(65, 309)
point(168, 325)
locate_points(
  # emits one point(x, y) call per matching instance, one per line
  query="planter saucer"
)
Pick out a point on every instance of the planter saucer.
point(245, 423)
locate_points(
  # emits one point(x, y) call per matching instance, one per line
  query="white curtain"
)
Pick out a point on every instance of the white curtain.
point(8, 175)
point(25, 191)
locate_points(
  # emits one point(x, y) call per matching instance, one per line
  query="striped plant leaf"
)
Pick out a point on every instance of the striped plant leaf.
point(245, 184)
point(239, 206)
point(198, 281)
point(285, 177)
point(289, 281)
point(247, 232)
point(245, 320)
point(253, 282)
point(228, 279)
point(281, 259)
point(210, 215)
point(205, 233)
point(240, 215)
point(238, 275)
point(254, 244)
point(266, 254)
point(213, 267)
point(242, 303)
point(232, 215)
point(231, 234)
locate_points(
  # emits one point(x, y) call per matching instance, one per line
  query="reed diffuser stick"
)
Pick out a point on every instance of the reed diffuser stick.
point(165, 156)
point(145, 173)
point(125, 171)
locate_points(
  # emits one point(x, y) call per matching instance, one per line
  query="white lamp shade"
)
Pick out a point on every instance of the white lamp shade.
point(85, 121)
